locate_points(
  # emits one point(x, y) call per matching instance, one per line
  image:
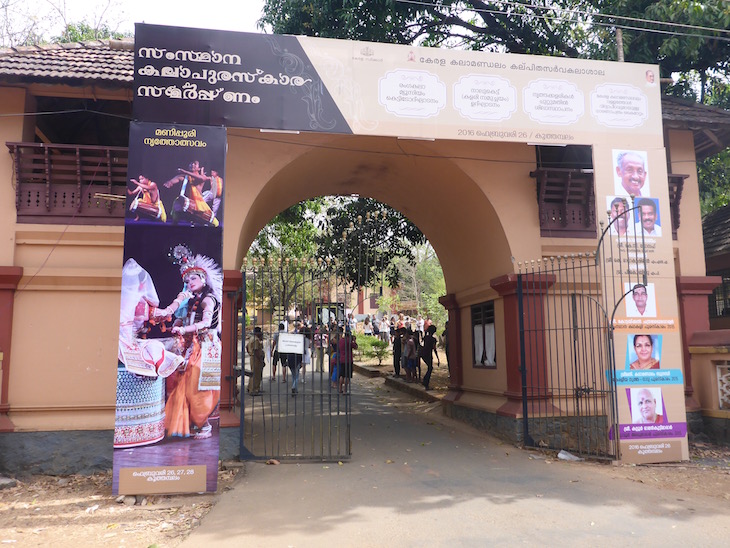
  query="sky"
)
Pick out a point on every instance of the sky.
point(238, 15)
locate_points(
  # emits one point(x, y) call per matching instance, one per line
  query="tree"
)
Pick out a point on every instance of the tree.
point(282, 244)
point(684, 44)
point(366, 237)
point(20, 25)
point(35, 22)
point(684, 37)
point(510, 26)
point(81, 32)
point(423, 283)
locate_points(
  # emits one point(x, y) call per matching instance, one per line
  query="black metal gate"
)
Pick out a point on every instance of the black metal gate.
point(566, 307)
point(298, 411)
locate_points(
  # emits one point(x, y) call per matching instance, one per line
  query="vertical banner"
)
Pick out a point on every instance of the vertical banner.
point(168, 373)
point(634, 191)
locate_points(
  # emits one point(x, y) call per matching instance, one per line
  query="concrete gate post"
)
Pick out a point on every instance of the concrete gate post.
point(533, 287)
point(692, 292)
point(232, 282)
point(9, 279)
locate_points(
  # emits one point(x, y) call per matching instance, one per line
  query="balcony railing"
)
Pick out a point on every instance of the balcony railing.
point(60, 183)
point(566, 202)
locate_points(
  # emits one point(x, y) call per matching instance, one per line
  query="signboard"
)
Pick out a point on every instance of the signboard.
point(332, 86)
point(633, 190)
point(290, 343)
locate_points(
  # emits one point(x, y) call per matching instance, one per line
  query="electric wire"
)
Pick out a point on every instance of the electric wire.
point(591, 23)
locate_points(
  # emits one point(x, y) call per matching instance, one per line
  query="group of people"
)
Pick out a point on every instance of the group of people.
point(413, 339)
point(198, 201)
point(332, 340)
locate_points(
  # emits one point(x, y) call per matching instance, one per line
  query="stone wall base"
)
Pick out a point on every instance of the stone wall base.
point(717, 429)
point(74, 452)
point(506, 428)
point(545, 432)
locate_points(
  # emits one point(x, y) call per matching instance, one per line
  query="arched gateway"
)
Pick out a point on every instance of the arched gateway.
point(498, 159)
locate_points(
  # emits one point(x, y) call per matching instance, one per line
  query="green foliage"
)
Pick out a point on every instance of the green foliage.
point(82, 32)
point(714, 180)
point(423, 283)
point(366, 237)
point(281, 244)
point(372, 347)
point(388, 302)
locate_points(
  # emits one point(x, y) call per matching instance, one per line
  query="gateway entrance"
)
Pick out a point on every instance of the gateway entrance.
point(301, 409)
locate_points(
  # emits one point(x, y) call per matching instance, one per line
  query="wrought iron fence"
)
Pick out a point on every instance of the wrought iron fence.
point(297, 412)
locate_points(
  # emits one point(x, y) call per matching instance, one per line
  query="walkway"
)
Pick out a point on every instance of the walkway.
point(417, 478)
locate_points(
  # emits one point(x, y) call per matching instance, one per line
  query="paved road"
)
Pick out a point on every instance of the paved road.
point(419, 479)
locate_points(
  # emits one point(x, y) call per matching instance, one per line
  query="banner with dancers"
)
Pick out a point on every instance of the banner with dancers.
point(168, 370)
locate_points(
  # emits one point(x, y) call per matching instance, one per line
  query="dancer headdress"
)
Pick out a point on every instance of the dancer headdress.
point(199, 264)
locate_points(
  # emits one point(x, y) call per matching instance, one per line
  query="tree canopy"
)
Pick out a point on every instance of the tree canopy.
point(688, 39)
point(680, 35)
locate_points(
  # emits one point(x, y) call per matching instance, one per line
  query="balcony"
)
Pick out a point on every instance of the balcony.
point(60, 184)
point(566, 202)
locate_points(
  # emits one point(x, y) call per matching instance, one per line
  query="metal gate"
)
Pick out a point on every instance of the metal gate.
point(566, 311)
point(298, 412)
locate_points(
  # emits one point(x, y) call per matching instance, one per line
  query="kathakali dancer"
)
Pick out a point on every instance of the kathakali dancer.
point(193, 391)
point(191, 204)
point(146, 203)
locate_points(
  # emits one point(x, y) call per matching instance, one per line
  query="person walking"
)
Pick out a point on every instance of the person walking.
point(345, 346)
point(255, 349)
point(427, 351)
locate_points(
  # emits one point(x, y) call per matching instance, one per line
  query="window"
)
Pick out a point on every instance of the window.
point(482, 327)
point(720, 298)
point(565, 193)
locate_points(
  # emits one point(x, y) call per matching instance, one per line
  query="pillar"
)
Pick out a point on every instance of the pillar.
point(533, 288)
point(692, 293)
point(9, 279)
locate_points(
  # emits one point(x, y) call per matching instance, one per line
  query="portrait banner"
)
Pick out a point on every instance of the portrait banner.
point(631, 184)
point(168, 369)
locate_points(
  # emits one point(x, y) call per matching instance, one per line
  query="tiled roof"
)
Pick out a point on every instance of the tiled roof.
point(716, 232)
point(710, 125)
point(103, 61)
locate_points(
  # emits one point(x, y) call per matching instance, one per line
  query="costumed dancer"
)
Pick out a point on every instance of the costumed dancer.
point(191, 203)
point(147, 202)
point(193, 391)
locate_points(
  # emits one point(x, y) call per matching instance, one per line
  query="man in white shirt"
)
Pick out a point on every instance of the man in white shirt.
point(631, 172)
point(647, 216)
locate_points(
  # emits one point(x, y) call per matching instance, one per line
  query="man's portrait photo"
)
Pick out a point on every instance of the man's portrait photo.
point(647, 406)
point(619, 216)
point(640, 300)
point(647, 215)
point(632, 176)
